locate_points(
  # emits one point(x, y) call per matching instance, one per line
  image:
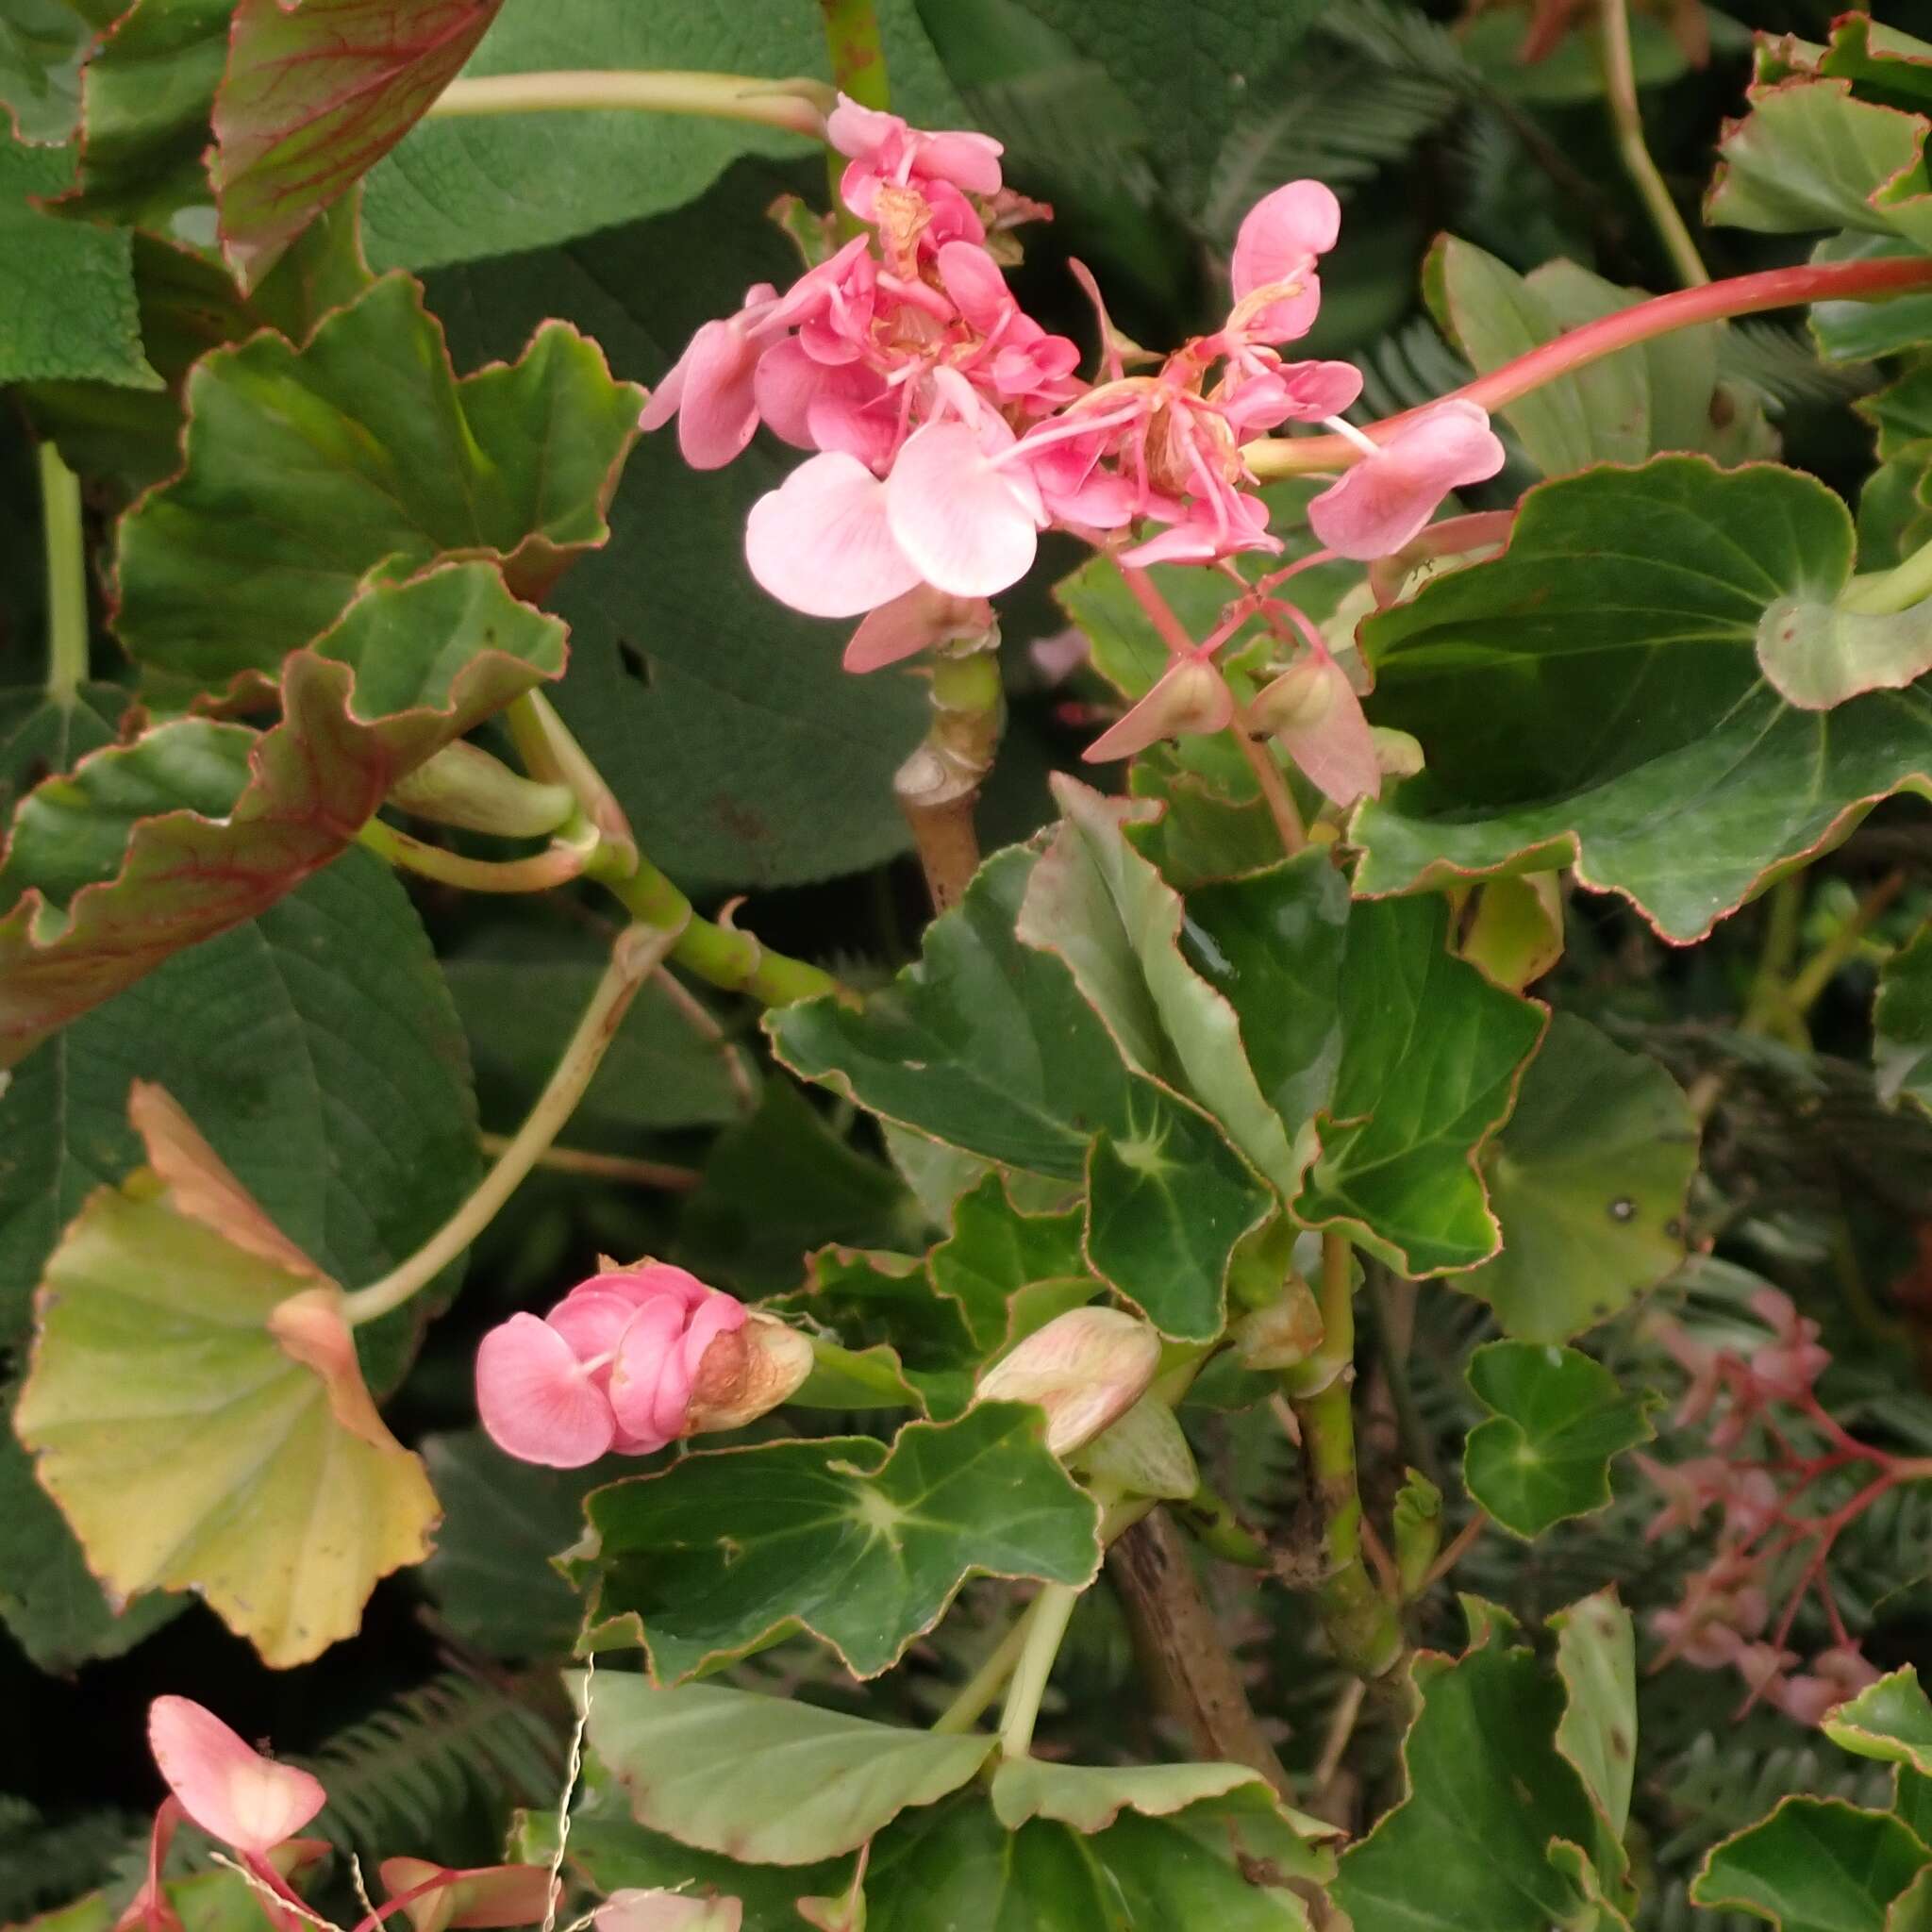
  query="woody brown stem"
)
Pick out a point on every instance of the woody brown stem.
point(937, 787)
point(1181, 1649)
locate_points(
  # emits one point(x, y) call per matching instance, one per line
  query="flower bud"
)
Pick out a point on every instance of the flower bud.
point(1085, 1369)
point(748, 1371)
point(436, 1896)
point(1191, 699)
point(1313, 713)
point(1144, 1454)
point(463, 785)
point(1399, 754)
point(1286, 1332)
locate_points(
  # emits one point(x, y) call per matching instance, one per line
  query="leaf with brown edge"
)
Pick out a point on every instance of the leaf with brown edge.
point(197, 1410)
point(197, 825)
point(306, 469)
point(315, 92)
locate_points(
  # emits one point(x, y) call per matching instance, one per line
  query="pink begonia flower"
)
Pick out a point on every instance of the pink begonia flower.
point(1274, 249)
point(632, 1910)
point(233, 1793)
point(710, 388)
point(1835, 1675)
point(886, 152)
point(1379, 505)
point(820, 543)
point(1190, 700)
point(616, 1364)
point(1312, 713)
point(911, 623)
point(439, 1896)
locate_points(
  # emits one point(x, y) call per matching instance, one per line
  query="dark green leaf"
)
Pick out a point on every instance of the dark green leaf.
point(42, 735)
point(307, 468)
point(1587, 693)
point(1891, 1720)
point(1090, 1797)
point(1588, 1179)
point(1814, 1865)
point(770, 1780)
point(860, 1545)
point(1557, 1421)
point(995, 1253)
point(1902, 1023)
point(42, 47)
point(988, 1044)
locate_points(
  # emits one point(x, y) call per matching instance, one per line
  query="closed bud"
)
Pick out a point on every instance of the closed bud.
point(1144, 1454)
point(1399, 754)
point(1418, 1525)
point(1287, 1331)
point(1191, 699)
point(1298, 700)
point(1085, 1369)
point(463, 785)
point(747, 1372)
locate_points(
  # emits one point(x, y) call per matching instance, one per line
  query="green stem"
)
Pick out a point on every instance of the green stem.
point(1217, 1528)
point(540, 872)
point(984, 1685)
point(1892, 590)
point(1779, 287)
point(1046, 1627)
point(859, 71)
point(1626, 117)
point(638, 954)
point(1820, 970)
point(1783, 915)
point(66, 578)
point(1359, 1619)
point(937, 787)
point(799, 106)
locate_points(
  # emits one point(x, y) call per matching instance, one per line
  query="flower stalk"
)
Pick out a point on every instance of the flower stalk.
point(1627, 119)
point(798, 105)
point(937, 787)
point(1044, 1627)
point(66, 578)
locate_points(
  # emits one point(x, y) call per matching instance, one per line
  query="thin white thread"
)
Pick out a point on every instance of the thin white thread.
point(280, 1899)
point(570, 1790)
point(363, 1897)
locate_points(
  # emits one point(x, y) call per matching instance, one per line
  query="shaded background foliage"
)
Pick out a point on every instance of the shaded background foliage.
point(753, 765)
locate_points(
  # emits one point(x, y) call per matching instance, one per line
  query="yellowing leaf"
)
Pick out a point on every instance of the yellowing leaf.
point(197, 1410)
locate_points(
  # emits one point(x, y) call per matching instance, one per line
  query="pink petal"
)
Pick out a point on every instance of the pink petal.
point(631, 1909)
point(1281, 235)
point(1317, 720)
point(592, 1318)
point(963, 524)
point(973, 280)
point(862, 132)
point(536, 1401)
point(1379, 505)
point(650, 1390)
point(820, 543)
point(910, 624)
point(1190, 699)
point(786, 380)
point(473, 1895)
point(233, 1793)
point(662, 405)
point(970, 161)
point(716, 410)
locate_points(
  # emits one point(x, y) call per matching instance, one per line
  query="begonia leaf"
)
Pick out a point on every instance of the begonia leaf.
point(860, 1544)
point(1814, 1865)
point(769, 1780)
point(988, 1044)
point(198, 826)
point(315, 92)
point(1090, 1797)
point(1357, 1019)
point(1000, 1263)
point(1589, 1179)
point(1891, 1720)
point(196, 1408)
point(307, 468)
point(42, 44)
point(1596, 1659)
point(1586, 694)
point(1558, 1419)
point(1902, 1023)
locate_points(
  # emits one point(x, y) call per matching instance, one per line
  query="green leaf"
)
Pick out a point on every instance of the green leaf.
point(1557, 1420)
point(767, 1781)
point(1222, 1865)
point(1912, 1801)
point(312, 96)
point(361, 449)
point(185, 1444)
point(759, 762)
point(1104, 909)
point(1589, 1179)
point(1891, 1720)
point(1596, 1659)
point(1090, 1797)
point(1356, 1018)
point(1814, 1865)
point(42, 735)
point(1001, 1265)
point(1468, 1849)
point(988, 1044)
point(1902, 1023)
point(462, 187)
point(490, 1576)
point(860, 1545)
point(109, 870)
point(1912, 1911)
point(67, 303)
point(1586, 694)
point(1818, 655)
point(51, 1604)
point(1862, 331)
point(42, 44)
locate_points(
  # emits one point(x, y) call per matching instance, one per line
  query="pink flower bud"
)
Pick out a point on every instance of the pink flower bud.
point(629, 1361)
point(1380, 504)
point(233, 1793)
point(436, 1896)
point(1312, 711)
point(1190, 699)
point(1085, 1369)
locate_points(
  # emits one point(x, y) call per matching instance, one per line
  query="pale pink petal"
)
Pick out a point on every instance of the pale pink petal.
point(970, 161)
point(662, 403)
point(1281, 235)
point(786, 380)
point(1317, 718)
point(911, 623)
point(953, 217)
point(233, 1793)
point(862, 425)
point(863, 132)
point(1291, 316)
point(965, 525)
point(1190, 699)
point(536, 1401)
point(717, 411)
point(592, 1318)
point(650, 1390)
point(1379, 505)
point(660, 1278)
point(1296, 392)
point(820, 543)
point(475, 1896)
point(631, 1909)
point(973, 279)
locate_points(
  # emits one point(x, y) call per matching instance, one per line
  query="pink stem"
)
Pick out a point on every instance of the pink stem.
point(1174, 633)
point(1777, 288)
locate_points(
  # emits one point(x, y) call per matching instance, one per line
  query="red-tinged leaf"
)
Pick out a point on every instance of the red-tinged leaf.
point(314, 94)
point(197, 825)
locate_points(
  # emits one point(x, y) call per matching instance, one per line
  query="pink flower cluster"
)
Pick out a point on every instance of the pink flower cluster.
point(1763, 1395)
point(949, 428)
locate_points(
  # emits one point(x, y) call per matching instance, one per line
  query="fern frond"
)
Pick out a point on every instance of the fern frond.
point(1409, 366)
point(1401, 40)
point(1783, 368)
point(435, 1772)
point(46, 1862)
point(1716, 1787)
